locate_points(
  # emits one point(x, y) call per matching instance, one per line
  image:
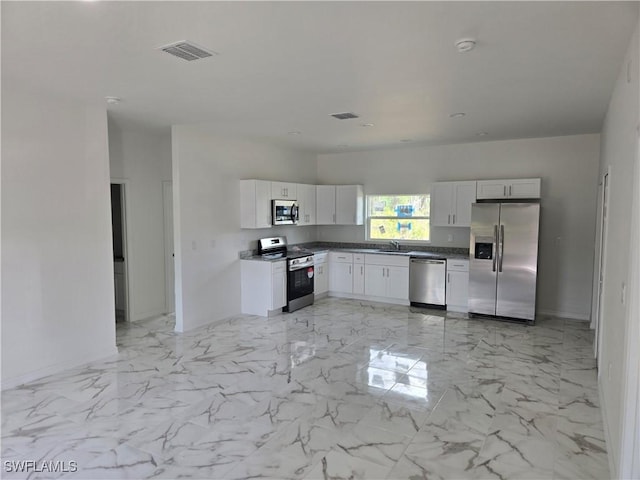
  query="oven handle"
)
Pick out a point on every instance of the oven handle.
point(300, 266)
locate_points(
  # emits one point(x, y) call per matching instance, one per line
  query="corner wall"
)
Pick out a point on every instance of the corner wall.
point(57, 270)
point(620, 136)
point(567, 165)
point(207, 238)
point(143, 159)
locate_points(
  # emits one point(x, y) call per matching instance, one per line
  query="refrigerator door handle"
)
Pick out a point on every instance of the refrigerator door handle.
point(501, 247)
point(495, 246)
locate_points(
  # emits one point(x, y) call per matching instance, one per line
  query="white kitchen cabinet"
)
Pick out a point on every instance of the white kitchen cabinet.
point(283, 190)
point(358, 274)
point(457, 290)
point(255, 204)
point(349, 205)
point(451, 203)
point(263, 286)
point(387, 276)
point(339, 205)
point(325, 204)
point(509, 188)
point(307, 204)
point(341, 272)
point(321, 274)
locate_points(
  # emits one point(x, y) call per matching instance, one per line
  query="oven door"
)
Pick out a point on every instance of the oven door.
point(300, 282)
point(285, 212)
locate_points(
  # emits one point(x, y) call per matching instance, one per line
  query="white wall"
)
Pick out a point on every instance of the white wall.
point(143, 158)
point(619, 152)
point(206, 191)
point(57, 270)
point(567, 165)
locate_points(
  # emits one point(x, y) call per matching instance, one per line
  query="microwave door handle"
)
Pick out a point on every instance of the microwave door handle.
point(294, 213)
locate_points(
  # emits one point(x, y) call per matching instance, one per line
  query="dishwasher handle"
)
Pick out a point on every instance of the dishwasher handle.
point(436, 262)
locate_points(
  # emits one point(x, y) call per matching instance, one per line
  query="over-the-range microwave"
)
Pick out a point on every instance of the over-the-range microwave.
point(284, 212)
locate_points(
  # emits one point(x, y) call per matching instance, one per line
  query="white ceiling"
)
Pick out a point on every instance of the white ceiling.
point(539, 68)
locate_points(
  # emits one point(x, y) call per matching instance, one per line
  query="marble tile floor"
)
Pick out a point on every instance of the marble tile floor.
point(341, 389)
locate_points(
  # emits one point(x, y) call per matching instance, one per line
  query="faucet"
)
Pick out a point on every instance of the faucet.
point(395, 244)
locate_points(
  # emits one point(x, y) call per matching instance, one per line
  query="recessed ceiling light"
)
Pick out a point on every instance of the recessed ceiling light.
point(465, 45)
point(367, 125)
point(481, 134)
point(343, 115)
point(294, 132)
point(113, 100)
point(457, 115)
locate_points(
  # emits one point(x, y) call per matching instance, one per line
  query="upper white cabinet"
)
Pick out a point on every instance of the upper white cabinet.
point(325, 204)
point(339, 205)
point(284, 190)
point(515, 188)
point(255, 204)
point(451, 203)
point(349, 203)
point(307, 203)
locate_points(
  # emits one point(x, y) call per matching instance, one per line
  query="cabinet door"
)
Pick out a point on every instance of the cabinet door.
point(458, 290)
point(524, 188)
point(492, 189)
point(341, 277)
point(278, 288)
point(441, 204)
point(358, 278)
point(398, 282)
point(464, 197)
point(307, 202)
point(325, 204)
point(349, 203)
point(321, 279)
point(375, 280)
point(283, 190)
point(255, 204)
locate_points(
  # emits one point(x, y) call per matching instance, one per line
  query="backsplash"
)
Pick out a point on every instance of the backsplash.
point(403, 248)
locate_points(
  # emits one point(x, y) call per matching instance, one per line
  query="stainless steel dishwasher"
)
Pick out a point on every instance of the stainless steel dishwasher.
point(427, 281)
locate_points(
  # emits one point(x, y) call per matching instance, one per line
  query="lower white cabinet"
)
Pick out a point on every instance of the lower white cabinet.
point(321, 274)
point(387, 276)
point(341, 272)
point(457, 285)
point(263, 286)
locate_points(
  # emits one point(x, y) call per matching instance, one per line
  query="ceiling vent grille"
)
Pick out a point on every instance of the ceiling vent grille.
point(186, 50)
point(344, 115)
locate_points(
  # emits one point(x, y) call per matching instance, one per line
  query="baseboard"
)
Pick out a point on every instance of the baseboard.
point(570, 315)
point(57, 368)
point(613, 471)
point(149, 314)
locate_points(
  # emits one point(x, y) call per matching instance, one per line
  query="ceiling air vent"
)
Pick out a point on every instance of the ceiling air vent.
point(186, 50)
point(344, 116)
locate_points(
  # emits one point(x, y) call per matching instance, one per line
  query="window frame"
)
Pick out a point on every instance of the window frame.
point(403, 241)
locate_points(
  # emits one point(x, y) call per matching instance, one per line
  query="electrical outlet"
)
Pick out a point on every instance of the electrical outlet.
point(450, 237)
point(194, 245)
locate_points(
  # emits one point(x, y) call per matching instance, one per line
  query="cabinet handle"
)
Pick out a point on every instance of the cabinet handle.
point(504, 191)
point(449, 219)
point(509, 190)
point(349, 269)
point(454, 219)
point(448, 278)
point(334, 218)
point(361, 270)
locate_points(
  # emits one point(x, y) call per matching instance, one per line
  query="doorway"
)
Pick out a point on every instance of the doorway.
point(604, 221)
point(169, 266)
point(119, 234)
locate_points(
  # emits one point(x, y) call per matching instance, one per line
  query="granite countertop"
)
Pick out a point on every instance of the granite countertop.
point(318, 247)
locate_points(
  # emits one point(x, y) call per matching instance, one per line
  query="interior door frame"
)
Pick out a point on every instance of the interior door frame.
point(169, 287)
point(602, 265)
point(126, 245)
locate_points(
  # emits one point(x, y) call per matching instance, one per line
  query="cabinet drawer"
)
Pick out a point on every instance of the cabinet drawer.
point(358, 258)
point(319, 258)
point(387, 260)
point(341, 257)
point(458, 265)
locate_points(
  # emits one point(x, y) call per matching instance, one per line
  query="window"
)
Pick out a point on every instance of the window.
point(398, 217)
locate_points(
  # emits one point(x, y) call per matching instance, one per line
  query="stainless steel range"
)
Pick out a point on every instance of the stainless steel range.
point(300, 271)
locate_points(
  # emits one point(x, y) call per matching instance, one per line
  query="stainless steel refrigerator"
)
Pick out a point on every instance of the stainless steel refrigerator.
point(503, 260)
